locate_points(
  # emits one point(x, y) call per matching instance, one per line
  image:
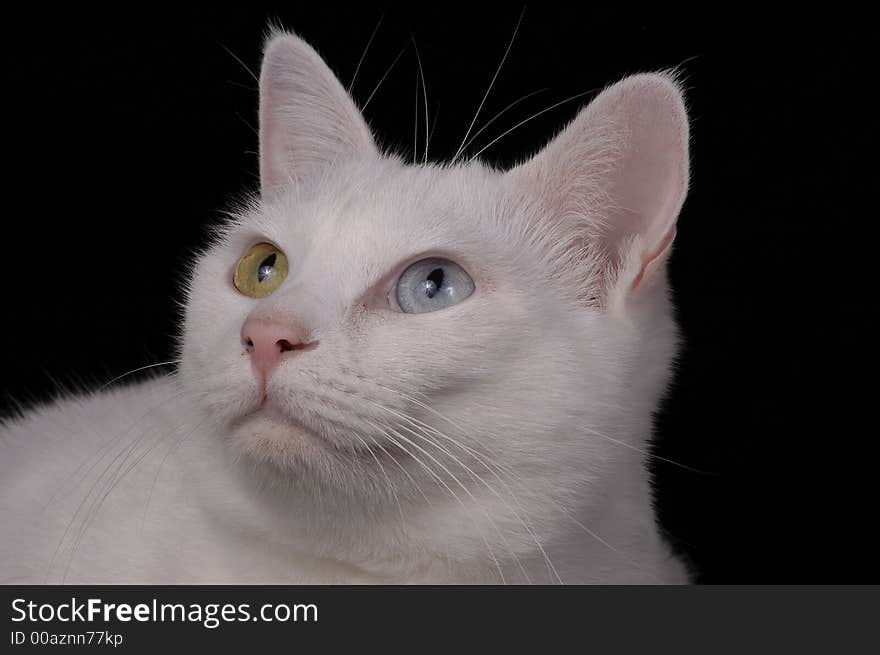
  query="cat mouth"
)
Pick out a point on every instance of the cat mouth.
point(270, 425)
point(269, 411)
point(268, 406)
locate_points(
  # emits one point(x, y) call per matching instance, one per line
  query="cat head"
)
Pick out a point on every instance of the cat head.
point(382, 333)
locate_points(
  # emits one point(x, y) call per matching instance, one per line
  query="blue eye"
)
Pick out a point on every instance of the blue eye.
point(432, 284)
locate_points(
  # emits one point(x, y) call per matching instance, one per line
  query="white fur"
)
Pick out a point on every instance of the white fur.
point(529, 404)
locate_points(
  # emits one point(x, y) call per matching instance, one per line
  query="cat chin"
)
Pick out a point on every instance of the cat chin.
point(266, 434)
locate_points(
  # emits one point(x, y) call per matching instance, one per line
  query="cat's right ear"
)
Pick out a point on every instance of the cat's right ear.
point(307, 119)
point(611, 185)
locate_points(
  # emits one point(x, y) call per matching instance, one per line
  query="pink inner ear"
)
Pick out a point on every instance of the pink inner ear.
point(617, 175)
point(651, 261)
point(307, 119)
point(649, 181)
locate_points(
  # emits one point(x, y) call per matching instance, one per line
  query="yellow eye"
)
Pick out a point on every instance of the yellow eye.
point(260, 271)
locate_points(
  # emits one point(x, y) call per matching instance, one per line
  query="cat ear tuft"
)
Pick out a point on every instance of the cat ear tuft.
point(307, 119)
point(612, 183)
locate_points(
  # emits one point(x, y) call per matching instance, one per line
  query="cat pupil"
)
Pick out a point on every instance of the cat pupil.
point(266, 267)
point(433, 282)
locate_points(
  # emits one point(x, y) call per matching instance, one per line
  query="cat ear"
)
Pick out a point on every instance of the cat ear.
point(612, 183)
point(307, 119)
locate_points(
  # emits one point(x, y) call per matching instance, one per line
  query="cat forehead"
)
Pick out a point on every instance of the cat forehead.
point(386, 204)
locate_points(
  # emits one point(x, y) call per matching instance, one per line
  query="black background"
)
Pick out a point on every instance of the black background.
point(128, 133)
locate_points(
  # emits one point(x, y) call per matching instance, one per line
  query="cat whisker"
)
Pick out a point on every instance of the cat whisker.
point(580, 525)
point(481, 460)
point(412, 480)
point(242, 86)
point(364, 53)
point(170, 362)
point(493, 119)
point(168, 453)
point(424, 94)
point(81, 507)
point(106, 444)
point(416, 123)
point(238, 59)
point(495, 468)
point(382, 79)
point(110, 484)
point(469, 451)
point(516, 513)
point(526, 120)
point(113, 476)
point(426, 407)
point(467, 490)
point(120, 474)
point(492, 467)
point(599, 539)
point(646, 453)
point(387, 433)
point(124, 452)
point(248, 124)
point(561, 508)
point(455, 479)
point(491, 84)
point(391, 485)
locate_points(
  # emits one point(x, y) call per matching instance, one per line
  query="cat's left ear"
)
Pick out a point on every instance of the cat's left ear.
point(307, 119)
point(611, 185)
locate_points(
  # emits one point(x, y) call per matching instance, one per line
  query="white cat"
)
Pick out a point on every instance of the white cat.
point(388, 373)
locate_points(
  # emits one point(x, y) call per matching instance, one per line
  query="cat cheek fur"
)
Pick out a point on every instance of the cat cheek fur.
point(480, 442)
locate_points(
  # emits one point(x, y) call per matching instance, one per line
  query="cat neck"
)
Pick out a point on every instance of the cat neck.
point(479, 537)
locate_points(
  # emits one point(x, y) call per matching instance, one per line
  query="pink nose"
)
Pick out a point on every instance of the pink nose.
point(268, 342)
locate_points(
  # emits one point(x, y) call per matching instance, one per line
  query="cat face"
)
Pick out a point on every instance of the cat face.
point(435, 326)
